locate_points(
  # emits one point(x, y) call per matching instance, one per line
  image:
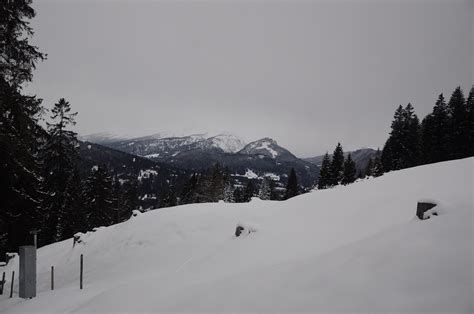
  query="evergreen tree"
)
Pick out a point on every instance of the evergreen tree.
point(75, 214)
point(19, 58)
point(470, 110)
point(218, 182)
point(369, 168)
point(129, 199)
point(189, 191)
point(117, 193)
point(349, 172)
point(434, 133)
point(229, 193)
point(60, 159)
point(98, 198)
point(169, 197)
point(387, 156)
point(265, 192)
point(211, 185)
point(20, 134)
point(337, 166)
point(239, 195)
point(377, 169)
point(459, 132)
point(325, 173)
point(292, 185)
point(249, 191)
point(412, 138)
point(402, 149)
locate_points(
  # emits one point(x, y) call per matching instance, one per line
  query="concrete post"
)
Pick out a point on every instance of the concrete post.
point(27, 271)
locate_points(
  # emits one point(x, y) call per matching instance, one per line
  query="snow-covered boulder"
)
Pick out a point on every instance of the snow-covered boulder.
point(244, 229)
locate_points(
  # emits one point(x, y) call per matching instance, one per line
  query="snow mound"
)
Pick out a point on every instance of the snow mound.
point(355, 248)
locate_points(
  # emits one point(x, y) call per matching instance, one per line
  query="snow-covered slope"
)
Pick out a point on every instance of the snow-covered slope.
point(356, 248)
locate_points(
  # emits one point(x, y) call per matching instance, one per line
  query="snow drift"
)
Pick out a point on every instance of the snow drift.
point(354, 248)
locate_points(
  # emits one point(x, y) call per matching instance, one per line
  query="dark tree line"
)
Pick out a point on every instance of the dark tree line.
point(446, 133)
point(21, 136)
point(42, 188)
point(216, 184)
point(336, 170)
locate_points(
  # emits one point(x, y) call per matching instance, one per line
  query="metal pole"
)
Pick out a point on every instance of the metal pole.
point(3, 283)
point(82, 264)
point(13, 280)
point(52, 277)
point(35, 237)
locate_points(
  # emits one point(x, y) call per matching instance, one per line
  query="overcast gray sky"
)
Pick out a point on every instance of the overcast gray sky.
point(306, 73)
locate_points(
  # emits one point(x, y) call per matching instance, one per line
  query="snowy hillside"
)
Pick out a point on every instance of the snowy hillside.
point(355, 248)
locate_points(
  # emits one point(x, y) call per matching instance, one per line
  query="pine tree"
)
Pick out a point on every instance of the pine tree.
point(129, 199)
point(369, 168)
point(412, 138)
point(349, 172)
point(60, 159)
point(189, 191)
point(239, 195)
point(402, 149)
point(19, 58)
point(98, 198)
point(434, 133)
point(20, 134)
point(265, 192)
point(249, 191)
point(325, 173)
point(337, 166)
point(76, 220)
point(117, 193)
point(169, 197)
point(470, 110)
point(229, 193)
point(377, 169)
point(292, 185)
point(459, 133)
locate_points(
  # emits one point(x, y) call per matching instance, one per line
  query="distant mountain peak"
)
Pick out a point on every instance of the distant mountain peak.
point(228, 143)
point(103, 138)
point(267, 147)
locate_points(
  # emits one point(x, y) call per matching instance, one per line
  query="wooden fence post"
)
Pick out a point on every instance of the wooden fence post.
point(13, 280)
point(81, 272)
point(52, 277)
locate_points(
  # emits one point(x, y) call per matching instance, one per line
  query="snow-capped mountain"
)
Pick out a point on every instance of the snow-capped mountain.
point(199, 152)
point(228, 143)
point(269, 148)
point(166, 148)
point(102, 138)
